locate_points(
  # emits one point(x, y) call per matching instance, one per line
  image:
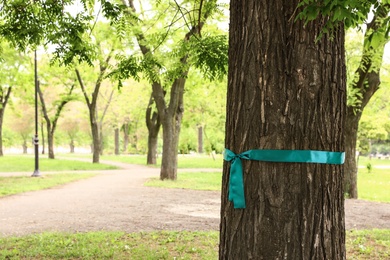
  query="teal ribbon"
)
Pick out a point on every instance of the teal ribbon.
point(236, 182)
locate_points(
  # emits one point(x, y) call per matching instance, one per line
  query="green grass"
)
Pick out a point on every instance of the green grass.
point(112, 245)
point(368, 244)
point(27, 164)
point(363, 160)
point(374, 186)
point(362, 244)
point(184, 161)
point(19, 184)
point(194, 181)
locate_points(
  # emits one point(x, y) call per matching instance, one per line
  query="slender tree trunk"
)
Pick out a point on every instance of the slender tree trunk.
point(50, 141)
point(153, 124)
point(200, 139)
point(3, 104)
point(43, 138)
point(125, 142)
point(285, 91)
point(116, 137)
point(351, 133)
point(24, 145)
point(1, 130)
point(152, 149)
point(71, 146)
point(95, 142)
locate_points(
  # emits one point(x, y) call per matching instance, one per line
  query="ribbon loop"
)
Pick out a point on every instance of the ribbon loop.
point(236, 181)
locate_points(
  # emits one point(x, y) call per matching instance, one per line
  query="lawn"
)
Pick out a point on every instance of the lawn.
point(362, 244)
point(19, 184)
point(23, 163)
point(374, 186)
point(184, 160)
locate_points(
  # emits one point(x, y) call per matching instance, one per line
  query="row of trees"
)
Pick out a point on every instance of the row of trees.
point(65, 113)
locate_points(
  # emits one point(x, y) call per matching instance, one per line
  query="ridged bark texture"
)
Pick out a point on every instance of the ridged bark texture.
point(285, 91)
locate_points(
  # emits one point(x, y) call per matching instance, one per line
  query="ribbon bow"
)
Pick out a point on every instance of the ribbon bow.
point(236, 181)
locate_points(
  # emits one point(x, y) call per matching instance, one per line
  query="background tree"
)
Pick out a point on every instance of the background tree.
point(12, 74)
point(286, 90)
point(59, 90)
point(374, 125)
point(22, 124)
point(166, 64)
point(363, 85)
point(106, 46)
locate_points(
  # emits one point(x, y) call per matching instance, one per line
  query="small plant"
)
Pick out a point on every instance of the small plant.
point(369, 167)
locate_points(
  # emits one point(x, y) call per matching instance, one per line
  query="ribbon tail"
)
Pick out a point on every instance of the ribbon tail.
point(236, 184)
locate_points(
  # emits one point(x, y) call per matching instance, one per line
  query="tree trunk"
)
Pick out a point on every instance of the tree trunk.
point(153, 124)
point(3, 103)
point(43, 138)
point(116, 133)
point(152, 148)
point(171, 132)
point(50, 142)
point(200, 139)
point(24, 145)
point(71, 146)
point(1, 130)
point(125, 141)
point(95, 141)
point(351, 167)
point(285, 91)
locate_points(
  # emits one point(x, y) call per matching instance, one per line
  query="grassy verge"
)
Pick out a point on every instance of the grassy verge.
point(19, 184)
point(26, 164)
point(363, 161)
point(374, 186)
point(184, 161)
point(194, 181)
point(363, 244)
point(368, 244)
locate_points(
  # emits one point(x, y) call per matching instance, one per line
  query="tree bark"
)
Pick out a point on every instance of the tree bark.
point(350, 166)
point(285, 91)
point(116, 135)
point(71, 146)
point(3, 103)
point(43, 138)
point(171, 122)
point(200, 139)
point(24, 145)
point(366, 83)
point(153, 124)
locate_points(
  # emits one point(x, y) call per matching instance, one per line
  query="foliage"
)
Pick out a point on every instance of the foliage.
point(163, 50)
point(33, 23)
point(353, 13)
point(20, 184)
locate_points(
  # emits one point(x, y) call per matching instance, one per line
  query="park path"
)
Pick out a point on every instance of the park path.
point(116, 200)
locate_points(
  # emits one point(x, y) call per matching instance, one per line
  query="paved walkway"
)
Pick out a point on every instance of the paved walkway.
point(116, 200)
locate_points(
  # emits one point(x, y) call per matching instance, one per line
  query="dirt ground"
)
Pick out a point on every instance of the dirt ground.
point(116, 200)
